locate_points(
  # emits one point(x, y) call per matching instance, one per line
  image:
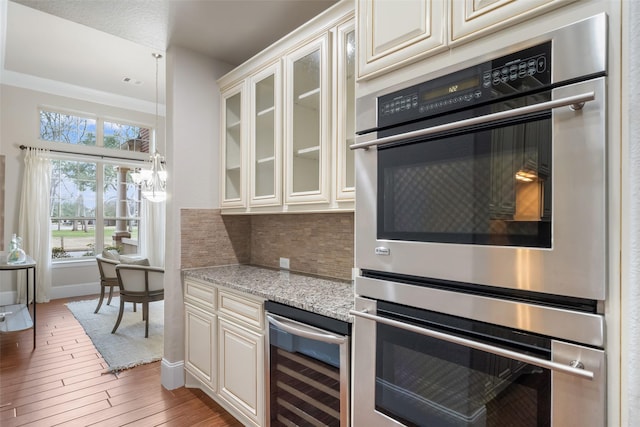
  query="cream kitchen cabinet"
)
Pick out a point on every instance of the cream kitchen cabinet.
point(395, 33)
point(307, 121)
point(344, 110)
point(201, 333)
point(225, 348)
point(241, 356)
point(241, 350)
point(474, 18)
point(265, 148)
point(300, 114)
point(232, 149)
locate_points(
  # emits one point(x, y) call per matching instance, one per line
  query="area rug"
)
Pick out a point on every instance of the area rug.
point(127, 347)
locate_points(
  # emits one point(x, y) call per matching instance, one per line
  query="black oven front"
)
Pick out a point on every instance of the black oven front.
point(493, 173)
point(486, 183)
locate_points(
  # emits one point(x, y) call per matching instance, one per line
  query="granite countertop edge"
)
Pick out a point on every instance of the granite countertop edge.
point(325, 296)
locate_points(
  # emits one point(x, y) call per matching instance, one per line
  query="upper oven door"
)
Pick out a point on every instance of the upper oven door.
point(514, 203)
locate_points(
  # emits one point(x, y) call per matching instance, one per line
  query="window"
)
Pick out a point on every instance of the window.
point(94, 203)
point(71, 129)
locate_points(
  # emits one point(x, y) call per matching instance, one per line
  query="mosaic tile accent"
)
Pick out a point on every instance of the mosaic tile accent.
point(319, 244)
point(208, 239)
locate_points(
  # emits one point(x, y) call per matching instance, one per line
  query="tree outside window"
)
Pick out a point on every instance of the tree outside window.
point(94, 204)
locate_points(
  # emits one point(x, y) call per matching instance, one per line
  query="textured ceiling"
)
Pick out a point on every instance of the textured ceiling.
point(229, 30)
point(97, 43)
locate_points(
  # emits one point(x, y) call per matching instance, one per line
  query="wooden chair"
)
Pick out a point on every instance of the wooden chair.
point(139, 283)
point(108, 278)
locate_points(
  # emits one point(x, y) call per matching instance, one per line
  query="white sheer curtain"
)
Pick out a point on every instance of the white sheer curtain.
point(33, 222)
point(152, 231)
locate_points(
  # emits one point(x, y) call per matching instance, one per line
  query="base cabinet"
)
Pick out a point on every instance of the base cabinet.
point(241, 361)
point(225, 348)
point(200, 333)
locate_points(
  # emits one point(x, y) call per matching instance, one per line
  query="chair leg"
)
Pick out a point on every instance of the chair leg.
point(100, 300)
point(134, 307)
point(110, 295)
point(145, 311)
point(119, 316)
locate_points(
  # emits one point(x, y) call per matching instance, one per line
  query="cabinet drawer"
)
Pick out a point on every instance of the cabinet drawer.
point(242, 308)
point(200, 294)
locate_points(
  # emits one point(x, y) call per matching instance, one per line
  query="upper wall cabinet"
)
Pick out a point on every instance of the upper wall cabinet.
point(393, 34)
point(307, 122)
point(474, 18)
point(344, 110)
point(232, 149)
point(297, 118)
point(266, 134)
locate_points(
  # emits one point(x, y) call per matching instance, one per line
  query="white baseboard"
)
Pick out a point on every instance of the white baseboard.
point(172, 374)
point(78, 290)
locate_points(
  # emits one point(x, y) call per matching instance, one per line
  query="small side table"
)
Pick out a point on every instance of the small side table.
point(16, 317)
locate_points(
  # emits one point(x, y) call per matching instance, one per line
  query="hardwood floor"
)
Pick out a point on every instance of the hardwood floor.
point(63, 382)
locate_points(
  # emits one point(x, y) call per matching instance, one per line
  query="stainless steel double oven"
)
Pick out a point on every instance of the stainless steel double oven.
point(481, 240)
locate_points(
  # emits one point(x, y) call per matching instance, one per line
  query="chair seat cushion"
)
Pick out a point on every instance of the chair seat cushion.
point(134, 260)
point(111, 254)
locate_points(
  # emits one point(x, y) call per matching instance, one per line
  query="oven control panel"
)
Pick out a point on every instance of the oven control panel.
point(508, 76)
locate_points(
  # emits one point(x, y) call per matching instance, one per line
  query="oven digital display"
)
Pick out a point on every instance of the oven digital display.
point(450, 89)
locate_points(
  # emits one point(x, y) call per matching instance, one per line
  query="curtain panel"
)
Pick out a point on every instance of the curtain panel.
point(34, 224)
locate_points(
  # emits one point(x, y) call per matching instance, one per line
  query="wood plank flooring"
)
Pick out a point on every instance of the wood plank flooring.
point(63, 383)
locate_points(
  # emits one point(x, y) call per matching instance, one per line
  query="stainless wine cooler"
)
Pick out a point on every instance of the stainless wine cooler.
point(308, 368)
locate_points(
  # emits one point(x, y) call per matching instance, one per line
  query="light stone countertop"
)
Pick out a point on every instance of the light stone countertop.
point(329, 297)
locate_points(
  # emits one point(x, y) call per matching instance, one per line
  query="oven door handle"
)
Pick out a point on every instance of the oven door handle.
point(573, 369)
point(576, 102)
point(299, 329)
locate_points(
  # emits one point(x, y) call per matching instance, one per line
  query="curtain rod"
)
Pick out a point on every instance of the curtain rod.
point(102, 156)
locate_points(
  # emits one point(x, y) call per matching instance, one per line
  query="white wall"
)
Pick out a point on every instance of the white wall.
point(19, 124)
point(193, 114)
point(192, 164)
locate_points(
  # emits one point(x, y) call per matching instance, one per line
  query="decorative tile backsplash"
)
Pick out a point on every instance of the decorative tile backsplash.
point(208, 240)
point(319, 244)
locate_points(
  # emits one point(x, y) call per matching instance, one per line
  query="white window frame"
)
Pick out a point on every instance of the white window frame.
point(97, 154)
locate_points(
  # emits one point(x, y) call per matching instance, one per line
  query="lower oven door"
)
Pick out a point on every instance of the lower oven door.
point(420, 368)
point(308, 375)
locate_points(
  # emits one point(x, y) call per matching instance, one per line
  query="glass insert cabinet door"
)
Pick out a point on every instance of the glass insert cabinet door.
point(232, 190)
point(266, 137)
point(344, 114)
point(306, 129)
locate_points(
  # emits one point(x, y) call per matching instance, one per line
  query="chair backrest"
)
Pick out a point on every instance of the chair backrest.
point(139, 278)
point(107, 267)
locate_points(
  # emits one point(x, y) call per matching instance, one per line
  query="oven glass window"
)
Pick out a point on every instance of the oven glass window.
point(488, 186)
point(422, 381)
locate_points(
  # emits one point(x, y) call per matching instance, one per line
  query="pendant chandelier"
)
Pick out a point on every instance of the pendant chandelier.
point(153, 179)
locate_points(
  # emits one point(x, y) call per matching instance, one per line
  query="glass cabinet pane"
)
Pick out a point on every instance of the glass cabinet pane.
point(266, 138)
point(233, 147)
point(306, 122)
point(344, 116)
point(349, 50)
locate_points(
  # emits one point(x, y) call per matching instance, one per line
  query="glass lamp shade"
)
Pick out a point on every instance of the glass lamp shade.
point(152, 181)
